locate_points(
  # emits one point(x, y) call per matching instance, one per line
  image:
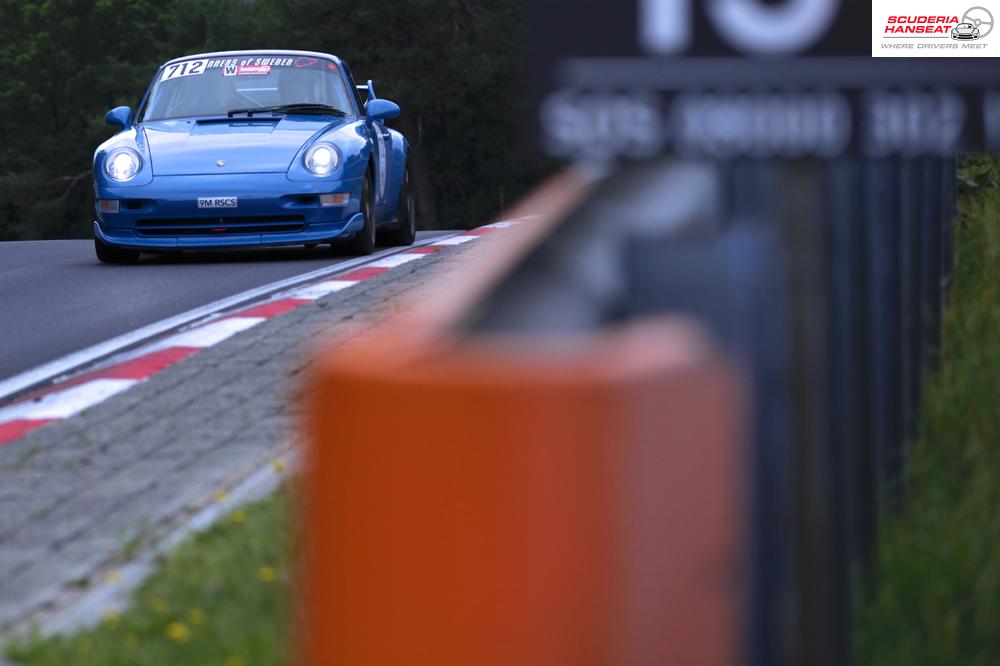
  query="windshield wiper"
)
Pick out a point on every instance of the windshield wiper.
point(320, 109)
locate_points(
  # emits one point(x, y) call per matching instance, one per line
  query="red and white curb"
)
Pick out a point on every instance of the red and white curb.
point(75, 394)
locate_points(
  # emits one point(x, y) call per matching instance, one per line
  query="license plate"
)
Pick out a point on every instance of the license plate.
point(217, 202)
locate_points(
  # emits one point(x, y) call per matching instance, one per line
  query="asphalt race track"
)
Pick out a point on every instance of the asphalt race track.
point(55, 298)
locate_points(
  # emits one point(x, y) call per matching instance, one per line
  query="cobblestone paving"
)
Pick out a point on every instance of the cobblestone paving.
point(79, 495)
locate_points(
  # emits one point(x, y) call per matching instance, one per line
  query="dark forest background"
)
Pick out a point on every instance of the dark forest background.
point(452, 65)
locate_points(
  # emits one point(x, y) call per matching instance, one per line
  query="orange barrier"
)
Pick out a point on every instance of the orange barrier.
point(494, 502)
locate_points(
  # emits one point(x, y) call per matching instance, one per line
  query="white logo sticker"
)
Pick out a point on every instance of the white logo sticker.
point(186, 68)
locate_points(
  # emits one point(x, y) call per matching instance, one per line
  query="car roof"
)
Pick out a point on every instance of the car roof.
point(229, 54)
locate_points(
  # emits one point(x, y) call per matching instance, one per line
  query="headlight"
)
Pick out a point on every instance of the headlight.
point(322, 158)
point(122, 164)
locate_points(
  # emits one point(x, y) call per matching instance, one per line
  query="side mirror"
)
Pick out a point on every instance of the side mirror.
point(382, 109)
point(120, 115)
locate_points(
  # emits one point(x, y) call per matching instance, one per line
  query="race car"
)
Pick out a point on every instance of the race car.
point(252, 148)
point(965, 31)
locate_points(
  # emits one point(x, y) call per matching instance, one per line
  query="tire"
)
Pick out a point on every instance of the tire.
point(364, 240)
point(109, 254)
point(405, 232)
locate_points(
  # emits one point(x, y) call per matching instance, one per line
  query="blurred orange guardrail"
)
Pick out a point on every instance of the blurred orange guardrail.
point(503, 500)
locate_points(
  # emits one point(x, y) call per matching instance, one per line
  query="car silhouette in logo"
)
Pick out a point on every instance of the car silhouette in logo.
point(981, 19)
point(965, 31)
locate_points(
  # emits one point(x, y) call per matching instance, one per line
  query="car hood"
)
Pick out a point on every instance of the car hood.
point(186, 147)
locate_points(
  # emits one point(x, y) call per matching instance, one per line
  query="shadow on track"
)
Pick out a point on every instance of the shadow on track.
point(245, 255)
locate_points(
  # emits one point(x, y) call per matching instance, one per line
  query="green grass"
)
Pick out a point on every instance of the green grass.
point(936, 598)
point(219, 600)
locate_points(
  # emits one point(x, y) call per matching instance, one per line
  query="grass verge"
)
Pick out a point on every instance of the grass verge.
point(218, 600)
point(937, 594)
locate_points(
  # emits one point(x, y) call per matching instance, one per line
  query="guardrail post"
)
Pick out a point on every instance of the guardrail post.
point(489, 501)
point(933, 218)
point(881, 222)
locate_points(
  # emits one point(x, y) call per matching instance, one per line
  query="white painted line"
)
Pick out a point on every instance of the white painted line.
point(209, 334)
point(455, 240)
point(64, 404)
point(319, 290)
point(65, 364)
point(395, 260)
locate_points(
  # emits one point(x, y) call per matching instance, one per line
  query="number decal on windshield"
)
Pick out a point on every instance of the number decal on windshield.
point(186, 68)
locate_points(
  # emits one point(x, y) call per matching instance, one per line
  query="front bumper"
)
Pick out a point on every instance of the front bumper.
point(272, 210)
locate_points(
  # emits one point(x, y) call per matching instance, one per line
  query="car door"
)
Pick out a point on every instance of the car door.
point(381, 140)
point(382, 147)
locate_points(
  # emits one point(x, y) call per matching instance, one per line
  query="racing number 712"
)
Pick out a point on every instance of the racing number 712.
point(187, 68)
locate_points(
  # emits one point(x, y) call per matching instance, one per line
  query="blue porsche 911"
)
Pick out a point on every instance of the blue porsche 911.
point(252, 148)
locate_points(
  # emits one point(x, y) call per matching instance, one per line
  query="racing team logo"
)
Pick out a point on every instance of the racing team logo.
point(907, 28)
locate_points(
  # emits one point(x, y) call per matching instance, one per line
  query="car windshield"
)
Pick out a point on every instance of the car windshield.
point(215, 86)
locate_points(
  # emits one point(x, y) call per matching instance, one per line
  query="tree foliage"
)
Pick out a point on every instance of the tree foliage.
point(452, 66)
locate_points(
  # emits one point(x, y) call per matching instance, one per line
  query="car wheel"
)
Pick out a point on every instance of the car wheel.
point(406, 210)
point(364, 240)
point(109, 254)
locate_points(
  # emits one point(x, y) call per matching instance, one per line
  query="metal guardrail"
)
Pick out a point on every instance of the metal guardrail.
point(823, 281)
point(826, 280)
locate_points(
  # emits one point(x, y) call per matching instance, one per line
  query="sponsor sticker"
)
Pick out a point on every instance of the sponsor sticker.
point(934, 28)
point(218, 202)
point(185, 68)
point(253, 69)
point(232, 66)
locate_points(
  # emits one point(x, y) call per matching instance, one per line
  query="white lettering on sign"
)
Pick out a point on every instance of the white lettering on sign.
point(665, 26)
point(186, 68)
point(751, 26)
point(761, 125)
point(914, 123)
point(600, 126)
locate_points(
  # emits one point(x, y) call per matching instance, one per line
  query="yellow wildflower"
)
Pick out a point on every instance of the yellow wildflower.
point(279, 465)
point(113, 576)
point(178, 632)
point(238, 516)
point(196, 616)
point(267, 574)
point(111, 618)
point(220, 495)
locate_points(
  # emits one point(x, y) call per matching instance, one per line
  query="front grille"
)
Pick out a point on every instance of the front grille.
point(220, 226)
